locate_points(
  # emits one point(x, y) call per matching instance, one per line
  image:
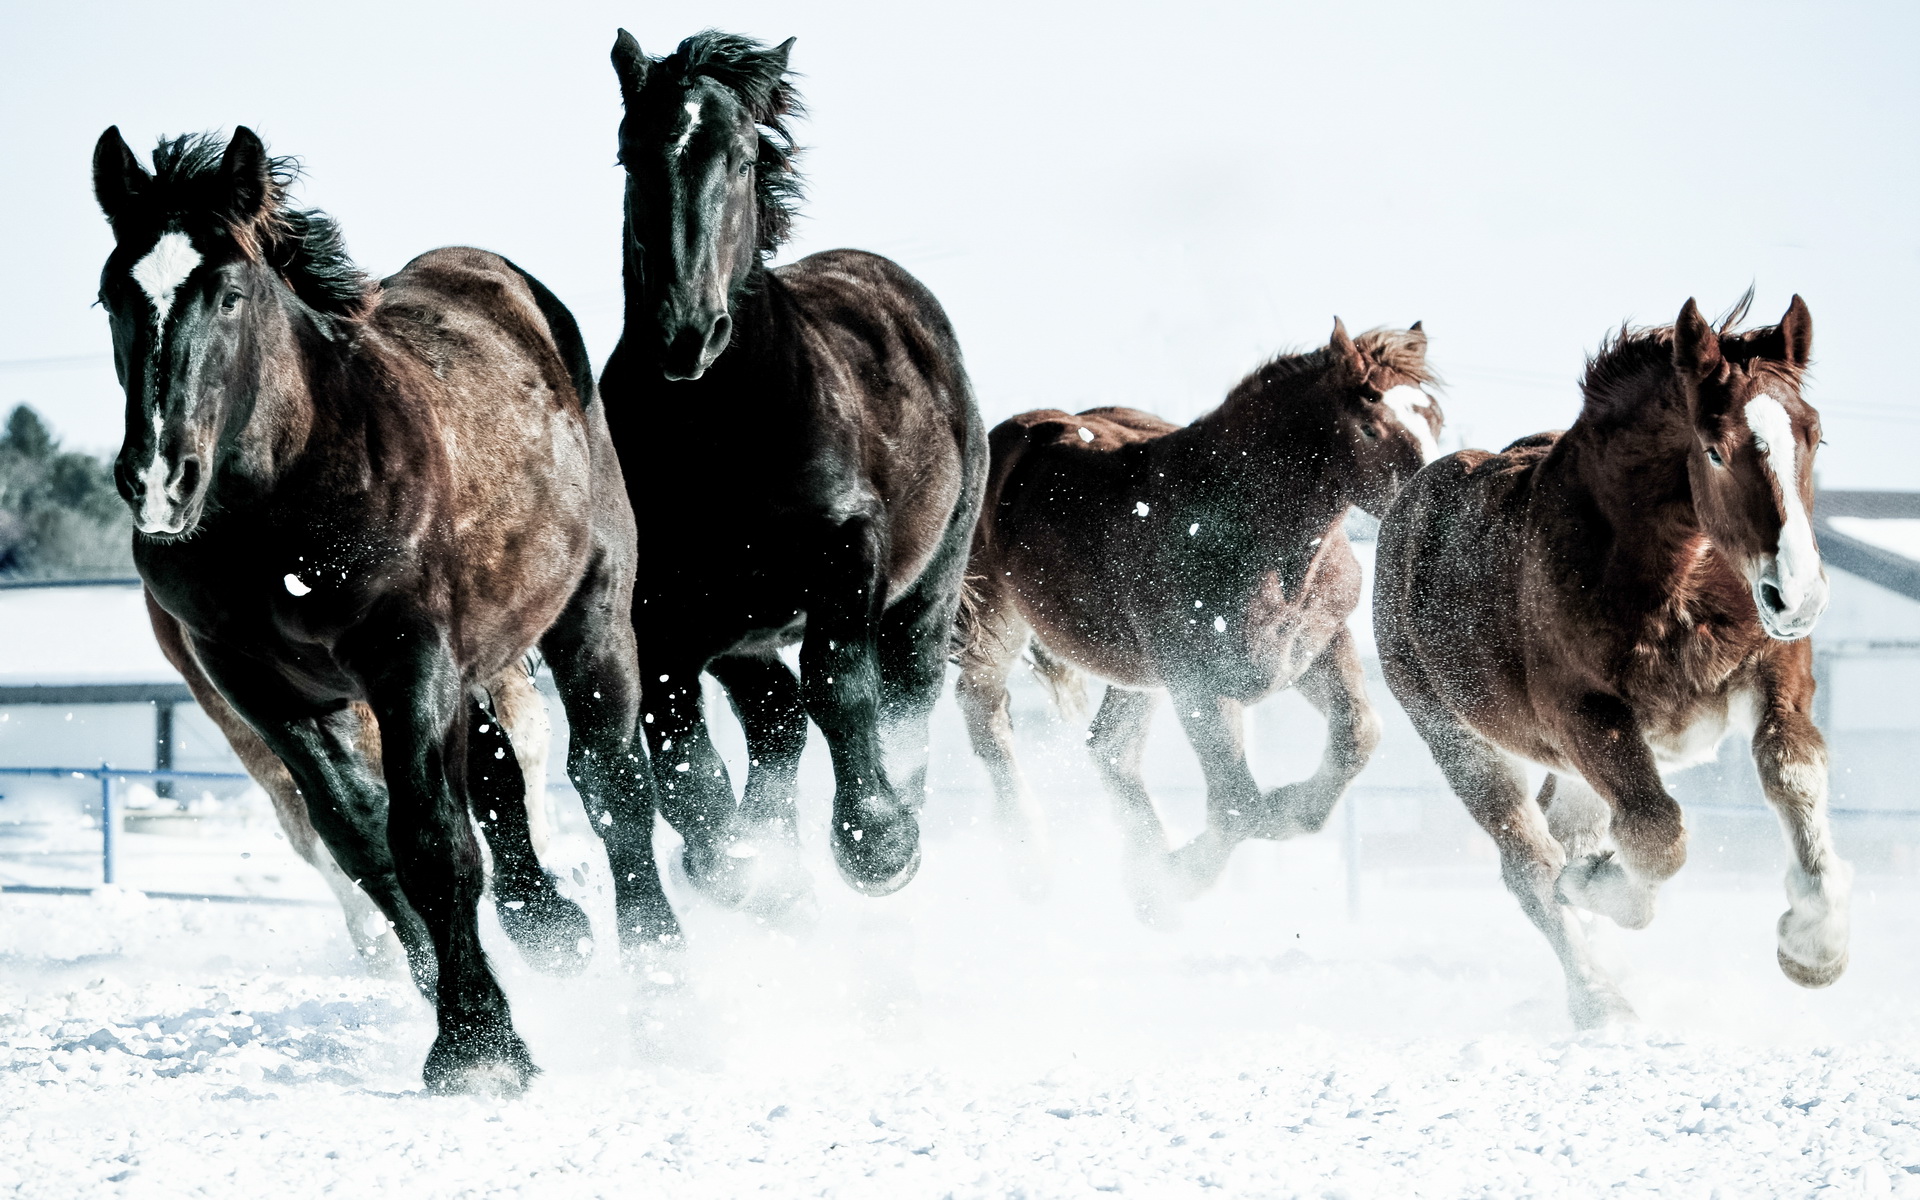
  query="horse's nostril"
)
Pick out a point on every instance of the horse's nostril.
point(717, 336)
point(189, 477)
point(1771, 597)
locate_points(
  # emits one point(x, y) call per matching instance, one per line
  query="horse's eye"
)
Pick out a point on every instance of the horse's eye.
point(746, 167)
point(1713, 456)
point(1369, 432)
point(230, 301)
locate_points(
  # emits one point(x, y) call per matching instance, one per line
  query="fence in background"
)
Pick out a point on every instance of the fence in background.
point(109, 800)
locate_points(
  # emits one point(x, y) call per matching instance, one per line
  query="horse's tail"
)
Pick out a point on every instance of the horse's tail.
point(1066, 684)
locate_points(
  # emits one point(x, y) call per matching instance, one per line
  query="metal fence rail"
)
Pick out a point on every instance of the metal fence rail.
point(109, 802)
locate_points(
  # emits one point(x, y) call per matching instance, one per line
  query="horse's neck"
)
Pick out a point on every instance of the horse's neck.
point(278, 426)
point(1633, 480)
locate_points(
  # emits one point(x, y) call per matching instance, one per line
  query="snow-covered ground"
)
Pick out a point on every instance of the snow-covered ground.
point(956, 1039)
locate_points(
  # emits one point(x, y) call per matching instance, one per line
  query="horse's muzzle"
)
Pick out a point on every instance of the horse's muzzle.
point(1788, 618)
point(167, 500)
point(692, 349)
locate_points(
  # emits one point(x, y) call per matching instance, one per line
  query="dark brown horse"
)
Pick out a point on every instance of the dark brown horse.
point(803, 450)
point(543, 924)
point(1207, 560)
point(390, 494)
point(1607, 603)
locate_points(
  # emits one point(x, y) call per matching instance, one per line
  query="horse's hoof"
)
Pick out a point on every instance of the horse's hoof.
point(1811, 976)
point(551, 931)
point(497, 1065)
point(880, 859)
point(1197, 866)
point(710, 871)
point(1599, 1010)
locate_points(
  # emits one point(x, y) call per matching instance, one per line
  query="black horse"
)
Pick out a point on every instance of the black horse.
point(803, 449)
point(382, 493)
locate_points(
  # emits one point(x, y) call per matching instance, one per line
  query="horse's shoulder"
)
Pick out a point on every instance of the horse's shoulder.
point(1127, 424)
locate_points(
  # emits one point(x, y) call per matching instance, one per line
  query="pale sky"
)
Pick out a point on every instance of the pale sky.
point(1118, 203)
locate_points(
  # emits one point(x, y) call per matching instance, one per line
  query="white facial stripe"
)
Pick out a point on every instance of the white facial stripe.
point(686, 131)
point(163, 270)
point(1797, 561)
point(1406, 401)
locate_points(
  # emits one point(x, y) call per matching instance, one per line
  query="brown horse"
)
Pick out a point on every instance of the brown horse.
point(522, 715)
point(1207, 560)
point(1606, 603)
point(389, 494)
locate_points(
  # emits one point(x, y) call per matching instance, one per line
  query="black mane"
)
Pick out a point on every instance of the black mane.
point(760, 79)
point(304, 245)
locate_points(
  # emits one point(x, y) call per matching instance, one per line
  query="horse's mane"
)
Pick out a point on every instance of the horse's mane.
point(1633, 367)
point(304, 245)
point(1398, 352)
point(760, 79)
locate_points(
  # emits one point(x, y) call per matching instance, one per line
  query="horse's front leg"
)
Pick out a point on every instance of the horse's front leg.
point(1609, 752)
point(876, 840)
point(695, 791)
point(1214, 727)
point(1336, 684)
point(1792, 759)
point(419, 698)
point(766, 697)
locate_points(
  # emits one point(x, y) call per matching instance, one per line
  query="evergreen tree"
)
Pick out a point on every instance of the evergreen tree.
point(60, 517)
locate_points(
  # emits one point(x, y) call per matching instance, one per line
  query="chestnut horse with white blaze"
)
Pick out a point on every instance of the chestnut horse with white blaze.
point(1607, 603)
point(1207, 560)
point(385, 494)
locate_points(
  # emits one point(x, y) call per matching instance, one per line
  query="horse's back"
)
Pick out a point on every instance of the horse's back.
point(1450, 572)
point(886, 366)
point(504, 396)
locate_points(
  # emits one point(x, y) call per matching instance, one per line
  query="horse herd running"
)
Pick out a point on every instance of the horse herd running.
point(362, 506)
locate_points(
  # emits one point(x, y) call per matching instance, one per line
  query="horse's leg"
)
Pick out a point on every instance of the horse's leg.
point(1607, 750)
point(523, 711)
point(1336, 684)
point(1116, 740)
point(1594, 878)
point(553, 934)
point(1494, 789)
point(1792, 759)
point(994, 636)
point(876, 839)
point(591, 653)
point(367, 927)
point(417, 695)
point(766, 697)
point(695, 791)
point(1214, 728)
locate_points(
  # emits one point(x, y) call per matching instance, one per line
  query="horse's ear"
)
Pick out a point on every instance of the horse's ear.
point(118, 177)
point(1415, 327)
point(1345, 352)
point(1796, 331)
point(248, 174)
point(1696, 347)
point(779, 53)
point(630, 63)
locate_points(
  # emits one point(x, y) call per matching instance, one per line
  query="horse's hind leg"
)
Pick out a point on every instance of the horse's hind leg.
point(1214, 727)
point(1792, 759)
point(766, 697)
point(1117, 740)
point(1336, 684)
point(522, 710)
point(1594, 878)
point(993, 636)
point(1531, 860)
point(551, 931)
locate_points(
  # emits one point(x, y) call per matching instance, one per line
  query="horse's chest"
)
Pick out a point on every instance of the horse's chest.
point(1692, 737)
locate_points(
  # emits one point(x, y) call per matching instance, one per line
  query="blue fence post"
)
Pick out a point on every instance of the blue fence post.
point(109, 830)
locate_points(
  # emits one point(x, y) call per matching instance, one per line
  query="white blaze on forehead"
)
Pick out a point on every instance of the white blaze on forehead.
point(1406, 401)
point(1796, 561)
point(686, 131)
point(164, 269)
